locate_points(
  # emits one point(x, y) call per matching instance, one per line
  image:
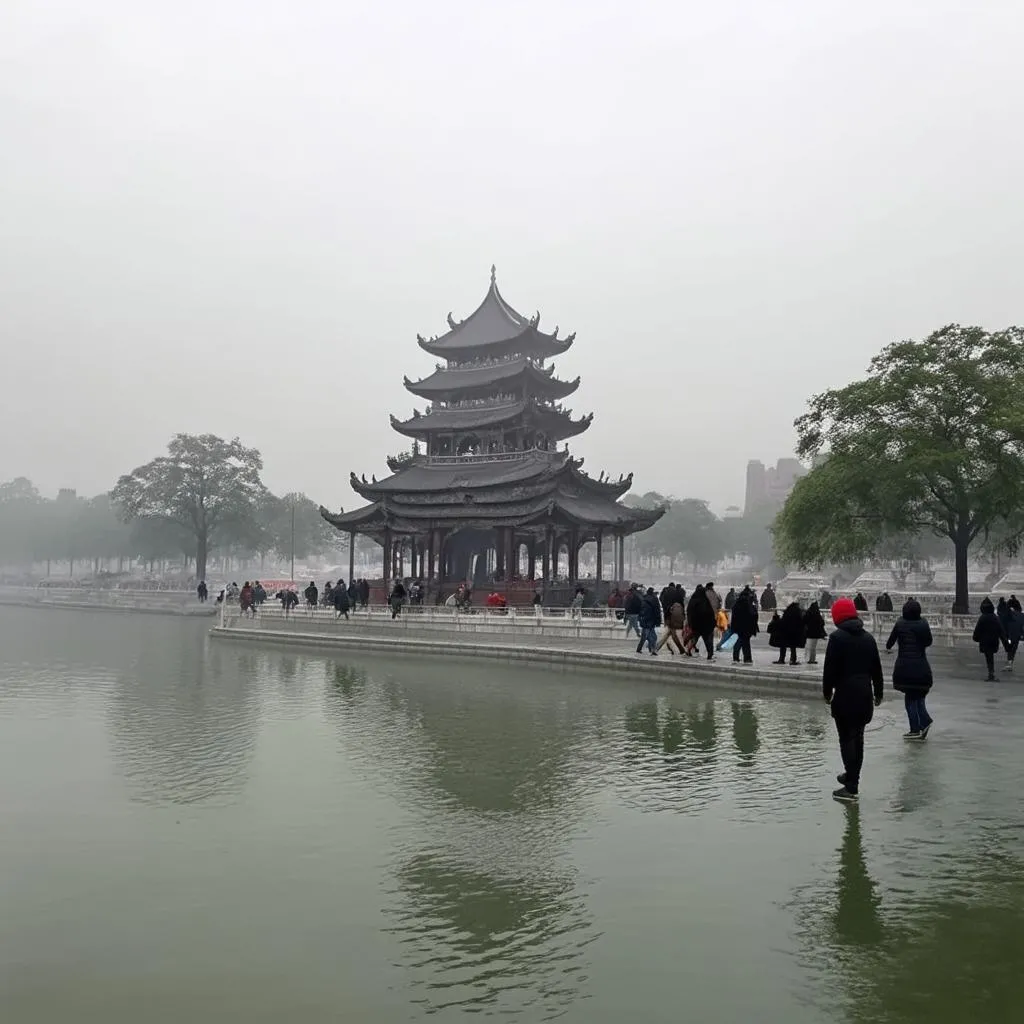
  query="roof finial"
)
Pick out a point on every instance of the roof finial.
point(494, 272)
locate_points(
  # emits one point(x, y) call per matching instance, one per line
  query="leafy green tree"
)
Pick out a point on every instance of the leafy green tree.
point(312, 534)
point(931, 441)
point(202, 484)
point(688, 528)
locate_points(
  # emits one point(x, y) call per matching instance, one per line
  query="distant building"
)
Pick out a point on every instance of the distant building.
point(769, 486)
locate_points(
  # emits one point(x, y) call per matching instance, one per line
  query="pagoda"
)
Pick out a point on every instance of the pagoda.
point(486, 492)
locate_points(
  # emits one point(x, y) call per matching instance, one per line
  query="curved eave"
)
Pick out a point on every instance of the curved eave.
point(484, 380)
point(559, 426)
point(613, 489)
point(531, 341)
point(366, 516)
point(500, 316)
point(473, 419)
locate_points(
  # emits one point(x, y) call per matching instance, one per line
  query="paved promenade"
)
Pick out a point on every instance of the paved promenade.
point(557, 642)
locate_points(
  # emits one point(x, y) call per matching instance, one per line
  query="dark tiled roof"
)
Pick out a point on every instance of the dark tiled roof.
point(476, 378)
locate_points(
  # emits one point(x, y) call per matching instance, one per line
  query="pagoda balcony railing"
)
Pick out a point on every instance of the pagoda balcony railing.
point(516, 456)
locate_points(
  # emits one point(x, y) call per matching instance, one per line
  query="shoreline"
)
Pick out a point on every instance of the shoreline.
point(663, 669)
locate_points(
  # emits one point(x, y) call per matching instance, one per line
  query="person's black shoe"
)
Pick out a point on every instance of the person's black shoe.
point(844, 796)
point(990, 679)
point(924, 731)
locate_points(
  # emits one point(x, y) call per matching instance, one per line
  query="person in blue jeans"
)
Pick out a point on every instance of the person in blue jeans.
point(912, 674)
point(650, 620)
point(631, 608)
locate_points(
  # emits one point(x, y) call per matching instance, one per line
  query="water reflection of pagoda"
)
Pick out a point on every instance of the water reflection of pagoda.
point(486, 484)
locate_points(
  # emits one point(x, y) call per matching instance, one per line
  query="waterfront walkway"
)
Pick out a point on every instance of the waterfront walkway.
point(595, 642)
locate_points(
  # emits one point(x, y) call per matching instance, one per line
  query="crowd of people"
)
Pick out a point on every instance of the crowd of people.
point(852, 674)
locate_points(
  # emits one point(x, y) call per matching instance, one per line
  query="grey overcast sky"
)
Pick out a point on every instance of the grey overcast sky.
point(235, 215)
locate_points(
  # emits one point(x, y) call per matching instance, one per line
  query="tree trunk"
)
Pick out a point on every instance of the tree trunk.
point(961, 545)
point(201, 544)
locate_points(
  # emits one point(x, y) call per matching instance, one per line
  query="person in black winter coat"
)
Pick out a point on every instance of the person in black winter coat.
point(768, 601)
point(744, 624)
point(1014, 630)
point(631, 611)
point(860, 602)
point(789, 633)
point(730, 599)
point(1014, 604)
point(667, 598)
point(650, 620)
point(700, 617)
point(814, 630)
point(988, 635)
point(912, 675)
point(852, 683)
point(341, 600)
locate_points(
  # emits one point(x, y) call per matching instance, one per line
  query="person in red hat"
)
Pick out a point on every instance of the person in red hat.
point(852, 684)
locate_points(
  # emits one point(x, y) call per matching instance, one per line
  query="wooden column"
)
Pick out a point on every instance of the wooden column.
point(389, 560)
point(574, 556)
point(351, 556)
point(621, 562)
point(600, 556)
point(511, 561)
point(546, 556)
point(430, 556)
point(500, 546)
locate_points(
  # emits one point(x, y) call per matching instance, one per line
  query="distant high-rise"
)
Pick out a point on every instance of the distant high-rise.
point(769, 486)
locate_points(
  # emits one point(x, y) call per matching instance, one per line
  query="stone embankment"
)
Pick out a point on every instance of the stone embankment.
point(554, 639)
point(154, 602)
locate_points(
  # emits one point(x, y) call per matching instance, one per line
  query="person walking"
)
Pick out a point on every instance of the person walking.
point(674, 624)
point(790, 632)
point(912, 674)
point(988, 635)
point(397, 599)
point(341, 600)
point(860, 602)
point(852, 684)
point(1014, 631)
point(713, 596)
point(730, 599)
point(744, 624)
point(768, 601)
point(700, 617)
point(650, 620)
point(814, 630)
point(631, 607)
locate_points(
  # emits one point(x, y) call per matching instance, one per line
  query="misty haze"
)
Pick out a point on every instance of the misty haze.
point(451, 451)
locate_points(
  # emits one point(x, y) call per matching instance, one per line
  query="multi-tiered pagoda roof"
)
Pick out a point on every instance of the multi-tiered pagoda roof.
point(487, 454)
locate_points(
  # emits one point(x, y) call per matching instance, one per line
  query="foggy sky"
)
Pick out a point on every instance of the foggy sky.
point(235, 216)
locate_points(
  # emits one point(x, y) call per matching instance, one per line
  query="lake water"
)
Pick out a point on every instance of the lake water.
point(202, 831)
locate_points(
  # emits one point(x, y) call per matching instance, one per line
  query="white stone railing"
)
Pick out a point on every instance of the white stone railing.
point(595, 623)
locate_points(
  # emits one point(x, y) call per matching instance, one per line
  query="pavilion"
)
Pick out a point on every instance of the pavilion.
point(486, 492)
